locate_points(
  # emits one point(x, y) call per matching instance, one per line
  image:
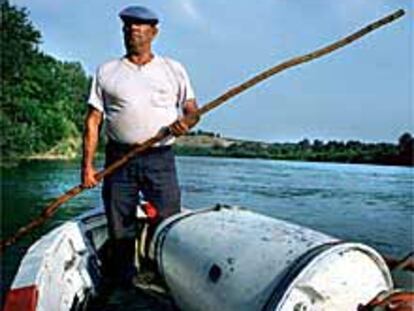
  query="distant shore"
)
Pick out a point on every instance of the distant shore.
point(201, 143)
point(352, 152)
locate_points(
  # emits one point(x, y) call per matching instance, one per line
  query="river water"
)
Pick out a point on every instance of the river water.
point(364, 203)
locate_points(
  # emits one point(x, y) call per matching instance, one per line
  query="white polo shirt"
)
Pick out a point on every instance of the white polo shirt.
point(137, 101)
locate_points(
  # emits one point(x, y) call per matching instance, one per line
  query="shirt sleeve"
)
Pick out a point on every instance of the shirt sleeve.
point(185, 89)
point(96, 94)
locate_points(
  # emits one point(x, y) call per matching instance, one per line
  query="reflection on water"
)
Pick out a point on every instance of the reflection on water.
point(366, 203)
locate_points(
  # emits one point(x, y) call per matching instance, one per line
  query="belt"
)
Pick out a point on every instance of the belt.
point(111, 144)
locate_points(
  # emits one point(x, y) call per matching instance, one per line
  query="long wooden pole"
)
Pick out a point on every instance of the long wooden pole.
point(50, 209)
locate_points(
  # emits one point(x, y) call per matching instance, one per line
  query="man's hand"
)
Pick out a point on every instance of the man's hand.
point(90, 141)
point(88, 177)
point(179, 127)
point(182, 125)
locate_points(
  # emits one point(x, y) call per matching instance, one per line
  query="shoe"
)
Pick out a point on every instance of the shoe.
point(149, 281)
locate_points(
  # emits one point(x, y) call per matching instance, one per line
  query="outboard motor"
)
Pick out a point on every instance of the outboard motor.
point(233, 259)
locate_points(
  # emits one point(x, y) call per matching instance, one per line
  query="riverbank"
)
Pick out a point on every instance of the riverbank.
point(351, 152)
point(68, 149)
point(210, 144)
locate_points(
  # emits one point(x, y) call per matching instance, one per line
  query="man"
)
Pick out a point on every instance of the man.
point(138, 95)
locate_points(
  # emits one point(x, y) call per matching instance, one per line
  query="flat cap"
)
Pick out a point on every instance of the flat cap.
point(138, 14)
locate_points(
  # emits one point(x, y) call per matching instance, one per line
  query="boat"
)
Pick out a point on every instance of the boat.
point(220, 258)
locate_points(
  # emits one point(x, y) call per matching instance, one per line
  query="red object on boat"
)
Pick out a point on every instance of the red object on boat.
point(23, 298)
point(151, 211)
point(396, 301)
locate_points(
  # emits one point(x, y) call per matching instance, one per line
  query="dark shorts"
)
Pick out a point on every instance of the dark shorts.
point(152, 173)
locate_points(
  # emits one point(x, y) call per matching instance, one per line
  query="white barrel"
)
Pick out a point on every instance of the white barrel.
point(231, 259)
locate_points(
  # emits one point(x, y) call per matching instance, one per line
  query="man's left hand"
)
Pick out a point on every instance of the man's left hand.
point(182, 125)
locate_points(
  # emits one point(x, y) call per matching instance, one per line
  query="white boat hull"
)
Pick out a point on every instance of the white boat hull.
point(216, 259)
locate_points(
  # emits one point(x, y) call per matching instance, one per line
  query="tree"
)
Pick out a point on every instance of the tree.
point(41, 97)
point(19, 43)
point(406, 148)
point(304, 144)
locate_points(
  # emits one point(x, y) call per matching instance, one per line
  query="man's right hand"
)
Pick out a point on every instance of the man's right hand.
point(90, 141)
point(88, 177)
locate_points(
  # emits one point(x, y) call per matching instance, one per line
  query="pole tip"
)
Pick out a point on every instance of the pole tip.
point(399, 13)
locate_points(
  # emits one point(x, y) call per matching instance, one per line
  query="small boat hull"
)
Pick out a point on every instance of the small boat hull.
point(220, 258)
point(61, 270)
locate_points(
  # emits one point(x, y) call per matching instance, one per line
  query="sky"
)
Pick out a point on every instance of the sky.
point(363, 91)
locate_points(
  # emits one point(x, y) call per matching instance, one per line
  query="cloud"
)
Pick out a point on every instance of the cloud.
point(190, 10)
point(190, 13)
point(217, 28)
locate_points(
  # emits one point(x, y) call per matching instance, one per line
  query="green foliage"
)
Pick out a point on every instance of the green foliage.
point(319, 151)
point(42, 99)
point(18, 43)
point(406, 148)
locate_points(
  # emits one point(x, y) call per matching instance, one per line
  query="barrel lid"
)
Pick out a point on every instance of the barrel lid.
point(332, 277)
